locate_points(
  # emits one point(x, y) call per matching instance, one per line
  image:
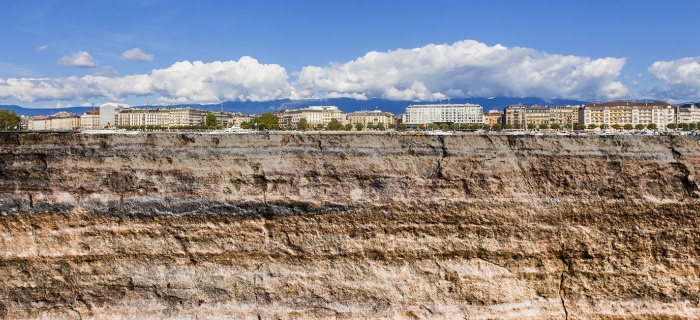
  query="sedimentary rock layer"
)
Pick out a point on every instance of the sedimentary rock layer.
point(349, 226)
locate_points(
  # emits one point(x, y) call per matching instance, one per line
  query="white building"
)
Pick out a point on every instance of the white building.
point(161, 117)
point(314, 115)
point(108, 113)
point(90, 119)
point(444, 113)
point(688, 113)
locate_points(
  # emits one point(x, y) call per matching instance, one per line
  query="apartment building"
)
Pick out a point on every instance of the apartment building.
point(493, 117)
point(238, 118)
point(622, 113)
point(564, 115)
point(444, 113)
point(537, 116)
point(60, 121)
point(374, 117)
point(161, 117)
point(314, 115)
point(90, 119)
point(515, 115)
point(688, 113)
point(179, 117)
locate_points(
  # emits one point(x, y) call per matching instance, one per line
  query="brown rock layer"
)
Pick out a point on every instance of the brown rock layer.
point(347, 226)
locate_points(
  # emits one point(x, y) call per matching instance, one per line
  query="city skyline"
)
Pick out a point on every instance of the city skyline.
point(62, 54)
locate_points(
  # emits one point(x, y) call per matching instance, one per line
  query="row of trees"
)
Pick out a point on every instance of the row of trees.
point(554, 126)
point(335, 125)
point(162, 128)
point(684, 126)
point(650, 126)
point(266, 121)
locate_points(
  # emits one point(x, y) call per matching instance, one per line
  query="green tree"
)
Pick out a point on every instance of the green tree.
point(496, 127)
point(302, 124)
point(531, 126)
point(672, 126)
point(348, 127)
point(616, 126)
point(247, 124)
point(210, 120)
point(359, 126)
point(508, 126)
point(568, 126)
point(370, 126)
point(555, 126)
point(544, 126)
point(9, 120)
point(403, 126)
point(628, 126)
point(474, 126)
point(580, 126)
point(640, 126)
point(454, 126)
point(334, 125)
point(652, 126)
point(267, 121)
point(486, 126)
point(603, 126)
point(444, 127)
point(320, 126)
point(380, 127)
point(692, 126)
point(592, 126)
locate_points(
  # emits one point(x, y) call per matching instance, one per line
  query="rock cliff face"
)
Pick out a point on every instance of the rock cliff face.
point(349, 226)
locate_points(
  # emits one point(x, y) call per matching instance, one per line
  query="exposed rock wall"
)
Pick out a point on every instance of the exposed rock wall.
point(347, 226)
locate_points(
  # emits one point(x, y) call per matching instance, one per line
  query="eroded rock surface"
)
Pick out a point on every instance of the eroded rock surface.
point(349, 226)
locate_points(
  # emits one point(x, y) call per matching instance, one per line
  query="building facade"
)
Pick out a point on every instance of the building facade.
point(566, 116)
point(161, 117)
point(537, 116)
point(375, 117)
point(314, 115)
point(493, 117)
point(622, 113)
point(688, 113)
point(61, 121)
point(444, 113)
point(238, 118)
point(515, 115)
point(90, 119)
point(180, 117)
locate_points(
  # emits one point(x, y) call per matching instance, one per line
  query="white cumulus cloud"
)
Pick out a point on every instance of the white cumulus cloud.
point(242, 80)
point(41, 49)
point(465, 69)
point(183, 82)
point(136, 54)
point(681, 78)
point(81, 59)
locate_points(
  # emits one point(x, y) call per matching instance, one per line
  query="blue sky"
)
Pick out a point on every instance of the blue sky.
point(64, 53)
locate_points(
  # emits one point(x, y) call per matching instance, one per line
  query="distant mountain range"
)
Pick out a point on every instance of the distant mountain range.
point(345, 104)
